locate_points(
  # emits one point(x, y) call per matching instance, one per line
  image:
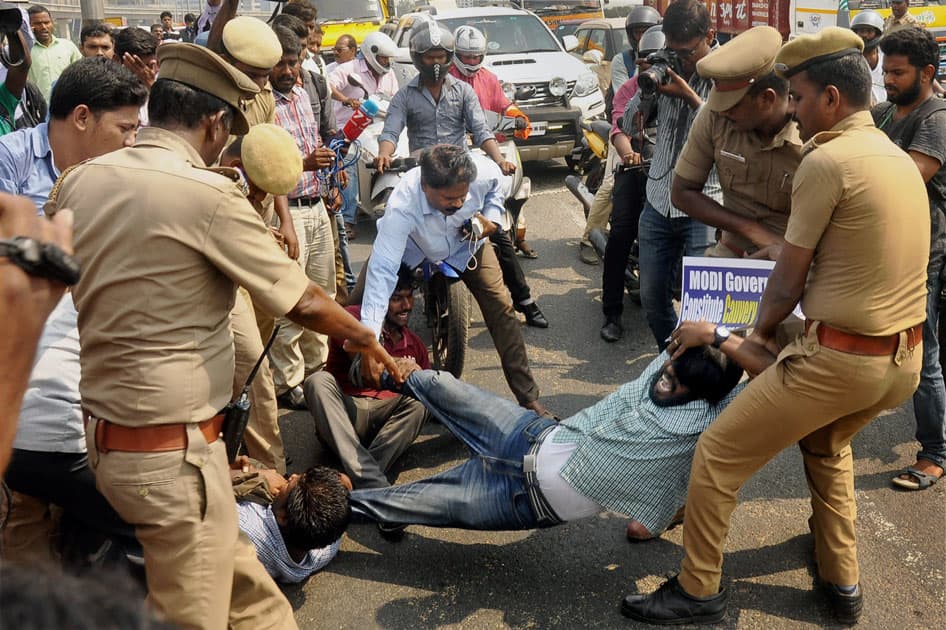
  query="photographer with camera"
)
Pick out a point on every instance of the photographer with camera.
point(664, 231)
point(15, 56)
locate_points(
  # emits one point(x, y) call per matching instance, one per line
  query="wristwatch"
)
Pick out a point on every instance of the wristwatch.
point(44, 260)
point(720, 335)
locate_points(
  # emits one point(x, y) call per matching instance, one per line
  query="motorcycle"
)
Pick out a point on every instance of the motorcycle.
point(591, 154)
point(517, 188)
point(447, 306)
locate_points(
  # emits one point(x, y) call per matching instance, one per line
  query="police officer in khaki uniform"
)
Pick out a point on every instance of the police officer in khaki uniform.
point(164, 242)
point(746, 131)
point(251, 47)
point(900, 17)
point(859, 208)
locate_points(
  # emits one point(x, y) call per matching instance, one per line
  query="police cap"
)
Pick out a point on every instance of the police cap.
point(807, 50)
point(735, 66)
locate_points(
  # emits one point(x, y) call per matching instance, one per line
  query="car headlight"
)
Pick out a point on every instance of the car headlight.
point(509, 89)
point(586, 84)
point(557, 86)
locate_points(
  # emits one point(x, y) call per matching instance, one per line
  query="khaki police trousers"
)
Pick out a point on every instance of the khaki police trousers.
point(298, 351)
point(819, 398)
point(262, 437)
point(202, 571)
point(600, 212)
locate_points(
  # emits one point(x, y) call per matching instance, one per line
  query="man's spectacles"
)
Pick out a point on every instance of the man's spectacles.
point(684, 53)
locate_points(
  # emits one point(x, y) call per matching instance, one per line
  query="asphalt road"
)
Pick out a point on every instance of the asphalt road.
point(575, 575)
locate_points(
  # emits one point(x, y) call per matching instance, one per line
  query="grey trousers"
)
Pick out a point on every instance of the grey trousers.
point(367, 434)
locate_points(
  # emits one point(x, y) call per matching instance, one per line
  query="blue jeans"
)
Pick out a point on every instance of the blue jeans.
point(487, 491)
point(929, 401)
point(350, 196)
point(350, 279)
point(662, 241)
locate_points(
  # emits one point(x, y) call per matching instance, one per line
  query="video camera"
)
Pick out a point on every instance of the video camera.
point(661, 62)
point(11, 19)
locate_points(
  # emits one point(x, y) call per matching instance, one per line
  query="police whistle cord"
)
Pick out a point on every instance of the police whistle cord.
point(237, 413)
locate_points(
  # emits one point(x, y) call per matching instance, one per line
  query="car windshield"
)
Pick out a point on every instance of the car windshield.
point(349, 10)
point(509, 33)
point(620, 39)
point(562, 6)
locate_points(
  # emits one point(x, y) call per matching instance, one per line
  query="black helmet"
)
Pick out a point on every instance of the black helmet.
point(427, 36)
point(639, 16)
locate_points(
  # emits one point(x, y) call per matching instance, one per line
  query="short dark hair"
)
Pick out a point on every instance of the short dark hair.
point(849, 74)
point(707, 373)
point(288, 40)
point(685, 20)
point(405, 279)
point(98, 83)
point(36, 9)
point(771, 81)
point(916, 44)
point(189, 17)
point(135, 41)
point(167, 13)
point(172, 103)
point(317, 509)
point(292, 23)
point(302, 10)
point(445, 164)
point(95, 30)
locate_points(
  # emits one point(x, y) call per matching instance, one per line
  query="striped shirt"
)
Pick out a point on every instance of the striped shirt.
point(674, 119)
point(632, 456)
point(294, 114)
point(259, 524)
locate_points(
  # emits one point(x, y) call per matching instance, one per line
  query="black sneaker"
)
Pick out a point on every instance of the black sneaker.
point(847, 607)
point(671, 605)
point(612, 331)
point(391, 532)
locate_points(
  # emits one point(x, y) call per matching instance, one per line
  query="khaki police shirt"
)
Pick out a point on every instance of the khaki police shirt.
point(860, 203)
point(756, 178)
point(163, 245)
point(892, 23)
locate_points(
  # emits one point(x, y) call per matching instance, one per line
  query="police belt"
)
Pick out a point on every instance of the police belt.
point(865, 345)
point(157, 438)
point(544, 514)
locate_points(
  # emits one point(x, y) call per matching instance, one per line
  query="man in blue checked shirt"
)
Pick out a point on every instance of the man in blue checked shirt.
point(629, 453)
point(424, 220)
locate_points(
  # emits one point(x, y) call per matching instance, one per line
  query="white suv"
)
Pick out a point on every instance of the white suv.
point(555, 89)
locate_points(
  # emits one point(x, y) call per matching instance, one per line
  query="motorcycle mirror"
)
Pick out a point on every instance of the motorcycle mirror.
point(355, 81)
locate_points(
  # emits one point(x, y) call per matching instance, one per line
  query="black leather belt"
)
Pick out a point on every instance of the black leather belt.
point(544, 513)
point(305, 201)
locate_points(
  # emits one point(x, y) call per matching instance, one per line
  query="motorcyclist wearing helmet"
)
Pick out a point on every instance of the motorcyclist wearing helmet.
point(435, 107)
point(372, 66)
point(869, 26)
point(638, 21)
point(470, 45)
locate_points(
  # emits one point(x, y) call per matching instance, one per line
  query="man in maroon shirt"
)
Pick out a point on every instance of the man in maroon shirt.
point(366, 428)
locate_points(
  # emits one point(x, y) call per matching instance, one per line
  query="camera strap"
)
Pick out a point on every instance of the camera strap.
point(259, 361)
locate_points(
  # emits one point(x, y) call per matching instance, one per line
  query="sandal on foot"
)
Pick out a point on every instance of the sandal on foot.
point(525, 251)
point(923, 480)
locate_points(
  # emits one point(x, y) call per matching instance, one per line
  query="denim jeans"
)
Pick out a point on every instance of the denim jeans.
point(350, 197)
point(929, 401)
point(487, 491)
point(662, 241)
point(343, 250)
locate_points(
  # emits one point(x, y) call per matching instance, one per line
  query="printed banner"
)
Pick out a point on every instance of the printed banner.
point(726, 291)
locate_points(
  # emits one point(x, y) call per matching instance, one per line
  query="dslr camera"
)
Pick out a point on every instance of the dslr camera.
point(661, 62)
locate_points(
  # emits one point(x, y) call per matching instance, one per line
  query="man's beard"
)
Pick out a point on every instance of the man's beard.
point(672, 401)
point(909, 96)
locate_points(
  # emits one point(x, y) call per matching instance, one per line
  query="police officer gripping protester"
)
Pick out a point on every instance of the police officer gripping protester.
point(746, 131)
point(916, 121)
point(156, 351)
point(858, 210)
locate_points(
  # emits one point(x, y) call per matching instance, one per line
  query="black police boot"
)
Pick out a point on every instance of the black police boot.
point(847, 607)
point(671, 605)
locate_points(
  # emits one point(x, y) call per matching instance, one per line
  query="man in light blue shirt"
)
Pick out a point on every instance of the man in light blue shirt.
point(93, 110)
point(424, 220)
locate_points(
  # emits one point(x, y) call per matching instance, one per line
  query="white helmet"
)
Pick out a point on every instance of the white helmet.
point(376, 45)
point(469, 41)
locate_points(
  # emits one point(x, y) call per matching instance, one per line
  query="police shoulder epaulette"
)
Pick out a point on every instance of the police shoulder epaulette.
point(235, 175)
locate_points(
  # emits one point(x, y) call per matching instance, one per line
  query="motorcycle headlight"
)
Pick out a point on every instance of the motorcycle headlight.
point(587, 83)
point(557, 86)
point(509, 89)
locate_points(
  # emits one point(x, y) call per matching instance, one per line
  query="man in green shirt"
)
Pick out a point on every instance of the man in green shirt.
point(11, 90)
point(51, 55)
